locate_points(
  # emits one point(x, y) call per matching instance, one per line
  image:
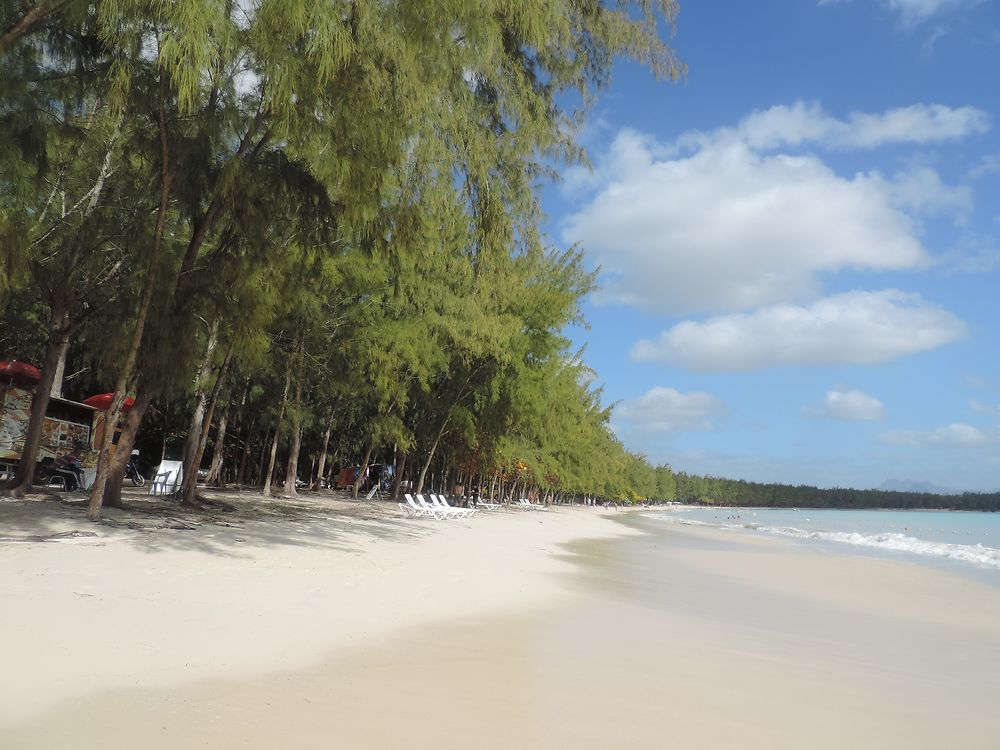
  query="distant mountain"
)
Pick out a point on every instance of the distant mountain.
point(912, 485)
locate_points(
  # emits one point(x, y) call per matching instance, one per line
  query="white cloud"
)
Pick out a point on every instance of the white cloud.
point(920, 190)
point(953, 436)
point(714, 222)
point(921, 9)
point(989, 164)
point(668, 410)
point(981, 408)
point(849, 328)
point(915, 11)
point(849, 406)
point(806, 122)
point(729, 229)
point(972, 253)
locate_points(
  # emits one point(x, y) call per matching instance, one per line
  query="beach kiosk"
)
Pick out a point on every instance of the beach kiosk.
point(69, 425)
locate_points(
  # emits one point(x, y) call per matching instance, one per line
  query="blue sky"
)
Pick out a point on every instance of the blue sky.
point(800, 244)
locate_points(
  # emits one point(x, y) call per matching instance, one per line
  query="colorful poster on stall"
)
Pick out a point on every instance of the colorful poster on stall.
point(15, 410)
point(60, 436)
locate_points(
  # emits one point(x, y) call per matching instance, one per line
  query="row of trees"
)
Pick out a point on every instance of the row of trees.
point(303, 232)
point(732, 492)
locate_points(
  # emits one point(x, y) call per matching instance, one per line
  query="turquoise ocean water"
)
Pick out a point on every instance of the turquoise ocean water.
point(966, 540)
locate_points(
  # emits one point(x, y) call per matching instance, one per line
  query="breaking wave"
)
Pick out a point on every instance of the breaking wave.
point(977, 554)
point(970, 553)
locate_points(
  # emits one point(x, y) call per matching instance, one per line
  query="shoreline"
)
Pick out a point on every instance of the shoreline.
point(576, 628)
point(810, 507)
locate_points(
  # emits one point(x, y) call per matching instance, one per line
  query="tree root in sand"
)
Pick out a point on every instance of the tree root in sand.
point(203, 503)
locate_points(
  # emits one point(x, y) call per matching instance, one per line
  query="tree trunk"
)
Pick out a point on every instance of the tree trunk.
point(277, 431)
point(25, 23)
point(54, 350)
point(241, 472)
point(215, 472)
point(292, 469)
point(116, 467)
point(189, 483)
point(97, 491)
point(363, 469)
point(322, 453)
point(400, 468)
point(330, 481)
point(244, 433)
point(213, 401)
point(259, 475)
point(57, 381)
point(430, 456)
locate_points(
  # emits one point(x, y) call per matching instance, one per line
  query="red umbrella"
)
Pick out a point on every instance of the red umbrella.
point(20, 372)
point(102, 402)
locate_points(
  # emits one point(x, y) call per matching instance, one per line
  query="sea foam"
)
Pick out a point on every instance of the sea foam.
point(977, 554)
point(971, 553)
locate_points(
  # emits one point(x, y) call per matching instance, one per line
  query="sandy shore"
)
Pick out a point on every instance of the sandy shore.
point(516, 630)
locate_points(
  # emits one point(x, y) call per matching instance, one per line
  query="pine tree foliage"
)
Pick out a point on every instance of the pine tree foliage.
point(337, 195)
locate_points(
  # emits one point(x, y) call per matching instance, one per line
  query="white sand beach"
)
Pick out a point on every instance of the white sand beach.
point(330, 624)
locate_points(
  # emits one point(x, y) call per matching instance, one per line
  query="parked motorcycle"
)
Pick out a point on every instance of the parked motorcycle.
point(64, 471)
point(132, 472)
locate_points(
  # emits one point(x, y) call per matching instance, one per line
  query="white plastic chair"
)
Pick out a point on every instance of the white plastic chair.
point(167, 478)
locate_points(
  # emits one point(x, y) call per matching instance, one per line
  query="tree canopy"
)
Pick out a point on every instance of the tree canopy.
point(306, 234)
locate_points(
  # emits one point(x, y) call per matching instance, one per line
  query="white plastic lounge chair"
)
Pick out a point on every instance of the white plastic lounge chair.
point(167, 478)
point(483, 505)
point(525, 503)
point(442, 502)
point(470, 511)
point(411, 510)
point(450, 512)
point(435, 508)
point(422, 509)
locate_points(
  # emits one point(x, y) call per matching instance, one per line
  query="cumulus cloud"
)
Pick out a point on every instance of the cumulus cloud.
point(919, 10)
point(989, 164)
point(920, 190)
point(981, 408)
point(915, 11)
point(668, 410)
point(953, 436)
point(730, 229)
point(717, 222)
point(849, 406)
point(807, 123)
point(850, 328)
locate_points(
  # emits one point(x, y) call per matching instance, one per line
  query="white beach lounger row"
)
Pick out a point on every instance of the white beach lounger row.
point(483, 505)
point(437, 508)
point(528, 505)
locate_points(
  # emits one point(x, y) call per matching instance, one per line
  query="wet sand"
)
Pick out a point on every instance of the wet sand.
point(668, 637)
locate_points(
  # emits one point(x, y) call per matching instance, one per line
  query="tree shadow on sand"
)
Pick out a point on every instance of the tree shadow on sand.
point(152, 524)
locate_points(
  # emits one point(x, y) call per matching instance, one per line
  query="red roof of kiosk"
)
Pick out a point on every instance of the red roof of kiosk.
point(102, 402)
point(19, 372)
